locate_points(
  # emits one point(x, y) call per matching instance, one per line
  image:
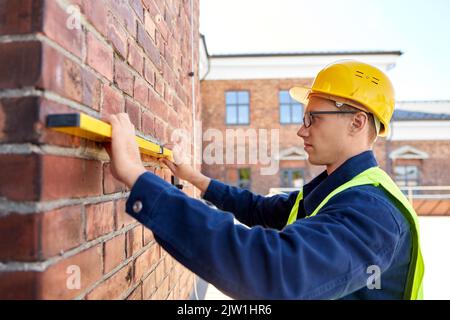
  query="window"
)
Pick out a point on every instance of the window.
point(237, 104)
point(406, 175)
point(292, 178)
point(291, 111)
point(244, 178)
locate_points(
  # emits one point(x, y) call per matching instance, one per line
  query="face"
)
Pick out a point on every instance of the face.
point(326, 138)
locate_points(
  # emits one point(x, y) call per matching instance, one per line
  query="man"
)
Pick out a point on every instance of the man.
point(348, 234)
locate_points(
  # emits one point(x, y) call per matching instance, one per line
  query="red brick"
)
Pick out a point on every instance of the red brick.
point(64, 177)
point(123, 77)
point(162, 290)
point(99, 56)
point(152, 8)
point(97, 14)
point(148, 235)
point(91, 90)
point(114, 252)
point(158, 17)
point(66, 77)
point(135, 57)
point(23, 67)
point(149, 72)
point(23, 168)
point(111, 184)
point(118, 37)
point(113, 101)
point(20, 16)
point(53, 70)
point(136, 294)
point(123, 218)
point(169, 76)
point(159, 84)
point(149, 285)
point(160, 131)
point(134, 240)
point(54, 280)
point(125, 14)
point(55, 27)
point(99, 219)
point(62, 229)
point(149, 46)
point(173, 118)
point(72, 80)
point(144, 263)
point(134, 112)
point(150, 26)
point(18, 113)
point(160, 43)
point(141, 90)
point(19, 237)
point(18, 285)
point(138, 8)
point(157, 105)
point(114, 287)
point(148, 123)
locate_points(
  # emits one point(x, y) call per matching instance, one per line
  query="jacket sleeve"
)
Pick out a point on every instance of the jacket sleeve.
point(323, 257)
point(252, 209)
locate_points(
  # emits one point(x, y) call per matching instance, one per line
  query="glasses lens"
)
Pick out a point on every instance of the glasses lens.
point(307, 120)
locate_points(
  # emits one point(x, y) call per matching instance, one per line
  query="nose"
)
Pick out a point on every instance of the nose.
point(302, 132)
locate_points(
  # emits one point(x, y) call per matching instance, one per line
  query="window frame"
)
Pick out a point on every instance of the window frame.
point(239, 180)
point(291, 103)
point(290, 170)
point(404, 182)
point(237, 105)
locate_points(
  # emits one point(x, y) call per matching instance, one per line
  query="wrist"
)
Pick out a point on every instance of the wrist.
point(201, 181)
point(133, 175)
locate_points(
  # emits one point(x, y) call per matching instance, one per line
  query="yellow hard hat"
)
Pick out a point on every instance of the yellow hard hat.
point(354, 81)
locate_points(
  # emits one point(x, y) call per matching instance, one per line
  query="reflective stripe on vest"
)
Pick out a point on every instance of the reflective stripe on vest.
point(375, 176)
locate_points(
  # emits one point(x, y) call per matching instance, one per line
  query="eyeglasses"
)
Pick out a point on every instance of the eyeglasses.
point(309, 116)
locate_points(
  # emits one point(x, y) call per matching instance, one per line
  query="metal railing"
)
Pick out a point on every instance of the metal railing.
point(426, 192)
point(411, 192)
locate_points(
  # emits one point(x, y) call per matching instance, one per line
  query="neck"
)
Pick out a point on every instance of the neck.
point(336, 164)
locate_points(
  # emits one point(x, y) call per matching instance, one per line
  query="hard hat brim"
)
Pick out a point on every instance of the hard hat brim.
point(300, 94)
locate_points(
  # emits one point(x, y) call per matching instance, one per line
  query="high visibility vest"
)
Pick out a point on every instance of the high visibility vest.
point(375, 176)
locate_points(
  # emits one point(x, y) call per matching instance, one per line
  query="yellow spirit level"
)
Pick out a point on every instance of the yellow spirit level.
point(84, 126)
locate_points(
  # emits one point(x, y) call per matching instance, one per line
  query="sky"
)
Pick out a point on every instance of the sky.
point(418, 28)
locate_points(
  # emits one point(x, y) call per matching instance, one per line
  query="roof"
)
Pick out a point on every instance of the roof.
point(317, 53)
point(404, 115)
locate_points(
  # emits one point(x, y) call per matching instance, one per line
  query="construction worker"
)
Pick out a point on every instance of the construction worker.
point(348, 234)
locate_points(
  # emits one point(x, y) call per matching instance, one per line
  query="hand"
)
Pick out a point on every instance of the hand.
point(126, 163)
point(181, 168)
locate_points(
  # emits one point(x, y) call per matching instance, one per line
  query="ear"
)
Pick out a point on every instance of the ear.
point(358, 123)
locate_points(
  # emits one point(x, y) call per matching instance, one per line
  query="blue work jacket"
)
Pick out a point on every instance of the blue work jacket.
point(357, 247)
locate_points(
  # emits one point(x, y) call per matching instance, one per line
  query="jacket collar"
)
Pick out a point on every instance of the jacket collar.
point(315, 191)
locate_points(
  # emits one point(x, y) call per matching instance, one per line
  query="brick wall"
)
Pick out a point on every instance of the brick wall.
point(61, 211)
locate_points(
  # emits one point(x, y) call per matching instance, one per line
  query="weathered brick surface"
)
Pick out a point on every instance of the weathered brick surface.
point(125, 57)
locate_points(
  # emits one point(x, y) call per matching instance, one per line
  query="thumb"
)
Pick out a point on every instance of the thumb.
point(108, 149)
point(169, 164)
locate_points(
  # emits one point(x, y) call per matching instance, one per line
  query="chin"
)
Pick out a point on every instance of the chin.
point(315, 161)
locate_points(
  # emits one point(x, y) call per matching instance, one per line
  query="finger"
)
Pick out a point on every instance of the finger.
point(108, 149)
point(169, 145)
point(126, 122)
point(110, 118)
point(169, 164)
